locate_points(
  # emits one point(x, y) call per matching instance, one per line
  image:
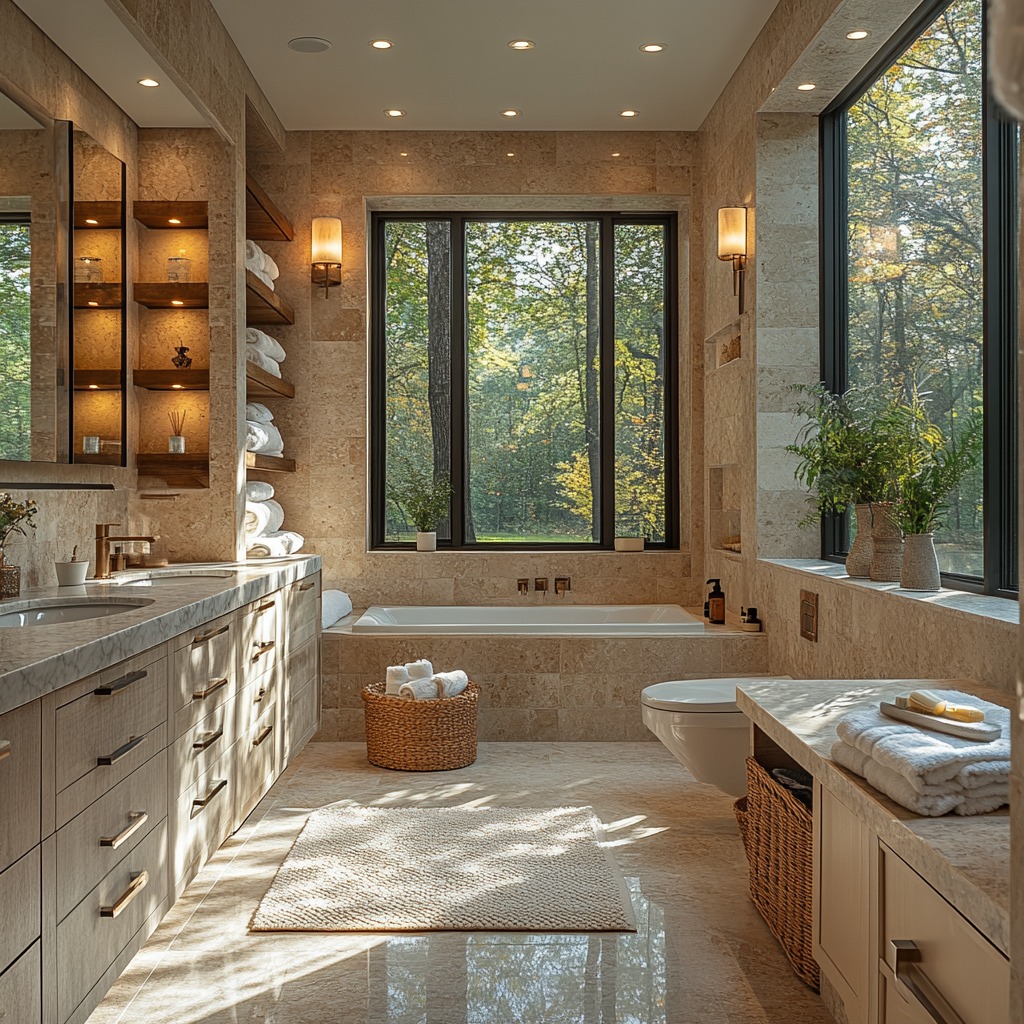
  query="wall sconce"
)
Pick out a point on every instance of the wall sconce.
point(326, 253)
point(732, 244)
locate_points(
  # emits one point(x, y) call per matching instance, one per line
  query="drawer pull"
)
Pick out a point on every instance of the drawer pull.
point(5, 749)
point(904, 956)
point(137, 820)
point(215, 684)
point(304, 586)
point(205, 638)
point(139, 882)
point(211, 738)
point(121, 751)
point(258, 699)
point(263, 736)
point(120, 684)
point(198, 805)
point(263, 648)
point(265, 607)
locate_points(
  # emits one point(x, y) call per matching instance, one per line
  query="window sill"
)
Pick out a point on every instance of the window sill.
point(982, 605)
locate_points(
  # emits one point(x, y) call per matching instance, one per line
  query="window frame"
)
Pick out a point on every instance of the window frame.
point(1000, 174)
point(460, 384)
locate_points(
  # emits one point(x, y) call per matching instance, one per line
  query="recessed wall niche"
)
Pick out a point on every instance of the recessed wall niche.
point(724, 518)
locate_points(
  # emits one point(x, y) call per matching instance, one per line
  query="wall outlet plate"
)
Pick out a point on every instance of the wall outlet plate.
point(809, 615)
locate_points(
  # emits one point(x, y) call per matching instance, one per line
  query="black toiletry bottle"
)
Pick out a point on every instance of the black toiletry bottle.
point(716, 603)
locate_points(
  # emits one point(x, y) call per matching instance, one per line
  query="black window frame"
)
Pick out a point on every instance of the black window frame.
point(459, 375)
point(1000, 175)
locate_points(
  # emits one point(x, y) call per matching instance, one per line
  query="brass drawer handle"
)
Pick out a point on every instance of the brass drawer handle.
point(205, 638)
point(258, 699)
point(265, 607)
point(263, 648)
point(215, 684)
point(121, 751)
point(904, 956)
point(139, 881)
point(304, 586)
point(5, 749)
point(120, 684)
point(211, 738)
point(198, 805)
point(137, 819)
point(263, 736)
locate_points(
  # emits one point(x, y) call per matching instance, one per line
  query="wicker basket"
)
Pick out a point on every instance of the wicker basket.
point(777, 831)
point(420, 735)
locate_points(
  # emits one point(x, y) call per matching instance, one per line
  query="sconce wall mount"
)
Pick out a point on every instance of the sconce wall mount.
point(325, 257)
point(732, 244)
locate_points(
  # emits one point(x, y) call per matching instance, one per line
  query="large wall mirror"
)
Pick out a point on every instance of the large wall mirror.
point(34, 407)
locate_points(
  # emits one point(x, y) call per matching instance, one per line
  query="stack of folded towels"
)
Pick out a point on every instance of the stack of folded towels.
point(260, 264)
point(264, 518)
point(929, 772)
point(263, 350)
point(417, 680)
point(261, 435)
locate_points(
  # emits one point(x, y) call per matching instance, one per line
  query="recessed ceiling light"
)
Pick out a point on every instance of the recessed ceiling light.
point(149, 83)
point(403, 153)
point(521, 44)
point(616, 154)
point(394, 112)
point(859, 33)
point(381, 44)
point(177, 302)
point(91, 303)
point(177, 387)
point(510, 113)
point(309, 44)
point(510, 154)
point(173, 220)
point(628, 113)
point(807, 87)
point(94, 387)
point(91, 220)
point(652, 47)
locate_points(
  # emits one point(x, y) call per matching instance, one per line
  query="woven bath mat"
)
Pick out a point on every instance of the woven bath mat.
point(447, 869)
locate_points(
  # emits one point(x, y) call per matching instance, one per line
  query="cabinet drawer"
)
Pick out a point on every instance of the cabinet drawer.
point(21, 988)
point(256, 760)
point(92, 935)
point(195, 752)
point(261, 636)
point(301, 716)
point(304, 664)
point(202, 819)
point(254, 698)
point(19, 782)
point(93, 842)
point(204, 664)
point(19, 908)
point(302, 606)
point(956, 960)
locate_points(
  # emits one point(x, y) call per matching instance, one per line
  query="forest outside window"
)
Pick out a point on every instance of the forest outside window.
point(529, 360)
point(921, 272)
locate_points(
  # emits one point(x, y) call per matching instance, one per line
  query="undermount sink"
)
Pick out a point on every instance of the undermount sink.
point(52, 611)
point(154, 577)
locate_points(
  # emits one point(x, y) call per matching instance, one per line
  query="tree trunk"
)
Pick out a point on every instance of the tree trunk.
point(592, 410)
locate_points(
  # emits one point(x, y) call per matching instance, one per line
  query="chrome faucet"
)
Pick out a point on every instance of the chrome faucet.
point(562, 584)
point(524, 586)
point(103, 542)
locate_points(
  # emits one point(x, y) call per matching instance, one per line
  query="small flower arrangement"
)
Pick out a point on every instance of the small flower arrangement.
point(14, 517)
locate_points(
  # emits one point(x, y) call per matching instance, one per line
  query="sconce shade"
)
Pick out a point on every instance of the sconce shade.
point(732, 232)
point(326, 240)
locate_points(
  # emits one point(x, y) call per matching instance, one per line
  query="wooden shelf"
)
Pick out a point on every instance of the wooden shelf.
point(171, 380)
point(98, 296)
point(97, 380)
point(264, 222)
point(164, 295)
point(97, 459)
point(189, 471)
point(260, 384)
point(269, 463)
point(151, 214)
point(263, 305)
point(106, 214)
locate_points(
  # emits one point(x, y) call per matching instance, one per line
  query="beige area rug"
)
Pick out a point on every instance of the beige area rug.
point(447, 869)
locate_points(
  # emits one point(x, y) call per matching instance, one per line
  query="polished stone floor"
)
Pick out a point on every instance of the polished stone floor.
point(701, 954)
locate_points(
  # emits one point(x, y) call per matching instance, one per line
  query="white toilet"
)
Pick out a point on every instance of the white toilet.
point(699, 722)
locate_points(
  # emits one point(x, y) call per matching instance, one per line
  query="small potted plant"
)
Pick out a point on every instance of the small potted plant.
point(14, 517)
point(72, 574)
point(424, 501)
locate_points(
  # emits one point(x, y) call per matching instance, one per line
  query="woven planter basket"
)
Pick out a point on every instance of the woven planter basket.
point(776, 831)
point(420, 735)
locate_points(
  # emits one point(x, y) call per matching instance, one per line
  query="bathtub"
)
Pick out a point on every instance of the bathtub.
point(576, 620)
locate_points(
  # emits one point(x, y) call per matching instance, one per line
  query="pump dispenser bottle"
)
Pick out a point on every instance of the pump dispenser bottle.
point(716, 603)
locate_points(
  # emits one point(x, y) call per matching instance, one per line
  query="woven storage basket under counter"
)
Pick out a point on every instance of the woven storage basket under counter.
point(420, 735)
point(776, 829)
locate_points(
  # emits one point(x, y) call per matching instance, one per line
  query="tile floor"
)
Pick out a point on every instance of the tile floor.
point(701, 954)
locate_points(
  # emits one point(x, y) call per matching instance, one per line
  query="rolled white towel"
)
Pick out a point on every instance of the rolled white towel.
point(261, 275)
point(421, 669)
point(264, 438)
point(261, 359)
point(270, 267)
point(262, 517)
point(264, 343)
point(396, 676)
point(418, 689)
point(253, 254)
point(257, 490)
point(258, 413)
point(275, 545)
point(334, 605)
point(450, 684)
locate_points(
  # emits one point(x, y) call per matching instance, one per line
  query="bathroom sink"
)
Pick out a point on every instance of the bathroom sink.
point(54, 610)
point(155, 577)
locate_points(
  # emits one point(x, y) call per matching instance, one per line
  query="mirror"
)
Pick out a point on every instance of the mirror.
point(98, 330)
point(33, 323)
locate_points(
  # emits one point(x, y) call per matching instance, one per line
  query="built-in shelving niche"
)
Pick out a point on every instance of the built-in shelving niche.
point(725, 526)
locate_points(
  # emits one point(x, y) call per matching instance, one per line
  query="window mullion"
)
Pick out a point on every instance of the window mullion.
point(459, 454)
point(606, 348)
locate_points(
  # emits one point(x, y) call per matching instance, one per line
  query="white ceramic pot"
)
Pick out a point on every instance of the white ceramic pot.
point(426, 541)
point(71, 574)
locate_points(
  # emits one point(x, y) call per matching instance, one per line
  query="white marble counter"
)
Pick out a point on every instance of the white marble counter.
point(35, 660)
point(967, 859)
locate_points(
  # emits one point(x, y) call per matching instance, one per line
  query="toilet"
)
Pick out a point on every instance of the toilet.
point(699, 722)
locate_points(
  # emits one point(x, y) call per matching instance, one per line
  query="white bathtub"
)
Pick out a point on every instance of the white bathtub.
point(583, 620)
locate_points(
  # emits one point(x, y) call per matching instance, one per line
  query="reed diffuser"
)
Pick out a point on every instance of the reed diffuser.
point(176, 442)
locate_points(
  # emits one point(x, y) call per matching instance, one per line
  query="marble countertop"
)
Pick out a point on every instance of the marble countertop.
point(966, 859)
point(35, 660)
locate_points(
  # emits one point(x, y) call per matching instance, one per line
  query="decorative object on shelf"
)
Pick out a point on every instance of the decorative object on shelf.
point(886, 543)
point(732, 244)
point(326, 253)
point(176, 442)
point(72, 574)
point(182, 361)
point(858, 561)
point(629, 543)
point(424, 500)
point(89, 270)
point(14, 517)
point(91, 444)
point(920, 568)
point(179, 268)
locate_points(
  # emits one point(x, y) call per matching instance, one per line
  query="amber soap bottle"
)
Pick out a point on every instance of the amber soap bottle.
point(716, 603)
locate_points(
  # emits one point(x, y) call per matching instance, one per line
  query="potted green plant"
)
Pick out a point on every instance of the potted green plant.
point(14, 517)
point(424, 501)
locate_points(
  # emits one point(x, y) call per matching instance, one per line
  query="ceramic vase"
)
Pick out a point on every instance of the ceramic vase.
point(426, 541)
point(10, 579)
point(886, 544)
point(858, 561)
point(920, 563)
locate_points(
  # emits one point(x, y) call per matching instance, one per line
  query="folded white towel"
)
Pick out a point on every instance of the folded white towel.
point(258, 413)
point(264, 343)
point(450, 684)
point(396, 676)
point(270, 267)
point(264, 438)
point(274, 545)
point(253, 253)
point(257, 490)
point(418, 689)
point(266, 279)
point(262, 517)
point(261, 359)
point(421, 669)
point(334, 605)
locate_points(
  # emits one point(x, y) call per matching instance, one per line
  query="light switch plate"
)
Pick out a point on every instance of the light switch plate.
point(809, 615)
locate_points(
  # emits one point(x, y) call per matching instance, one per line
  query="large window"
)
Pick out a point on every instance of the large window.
point(921, 270)
point(529, 361)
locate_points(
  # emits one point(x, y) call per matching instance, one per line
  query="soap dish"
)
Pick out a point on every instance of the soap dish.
point(980, 731)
